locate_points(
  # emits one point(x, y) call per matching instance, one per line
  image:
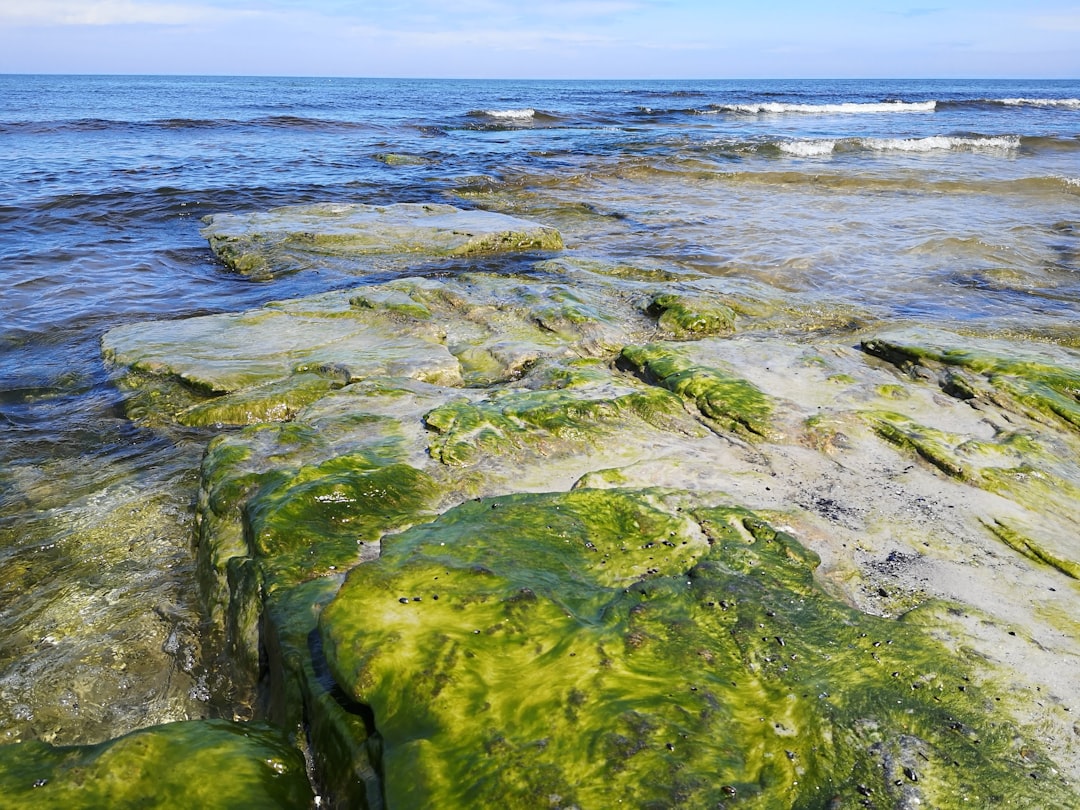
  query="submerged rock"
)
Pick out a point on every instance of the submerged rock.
point(266, 244)
point(110, 645)
point(207, 764)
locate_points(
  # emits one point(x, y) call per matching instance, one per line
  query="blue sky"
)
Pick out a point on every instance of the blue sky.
point(543, 38)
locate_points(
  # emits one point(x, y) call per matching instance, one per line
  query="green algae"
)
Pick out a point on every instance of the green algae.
point(548, 422)
point(278, 401)
point(300, 693)
point(732, 402)
point(690, 317)
point(1029, 385)
point(602, 646)
point(1031, 548)
point(315, 520)
point(205, 764)
point(933, 446)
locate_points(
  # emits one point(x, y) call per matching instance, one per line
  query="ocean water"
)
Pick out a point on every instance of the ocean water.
point(951, 202)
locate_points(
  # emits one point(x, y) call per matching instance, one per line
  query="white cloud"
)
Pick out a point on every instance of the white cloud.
point(580, 9)
point(99, 12)
point(487, 38)
point(1058, 22)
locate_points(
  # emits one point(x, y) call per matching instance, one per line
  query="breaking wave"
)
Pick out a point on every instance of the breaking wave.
point(998, 144)
point(1064, 103)
point(943, 143)
point(808, 148)
point(847, 108)
point(522, 114)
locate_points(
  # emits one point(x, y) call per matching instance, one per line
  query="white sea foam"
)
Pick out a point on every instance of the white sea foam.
point(808, 148)
point(846, 108)
point(1067, 103)
point(943, 143)
point(523, 113)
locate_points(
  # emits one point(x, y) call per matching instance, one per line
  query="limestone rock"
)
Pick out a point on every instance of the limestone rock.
point(265, 244)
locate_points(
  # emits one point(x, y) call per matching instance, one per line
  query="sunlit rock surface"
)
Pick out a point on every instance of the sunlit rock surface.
point(265, 244)
point(688, 539)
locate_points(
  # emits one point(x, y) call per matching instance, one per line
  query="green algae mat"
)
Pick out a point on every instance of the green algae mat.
point(210, 764)
point(597, 647)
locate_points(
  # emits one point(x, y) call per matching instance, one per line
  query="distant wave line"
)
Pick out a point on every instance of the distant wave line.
point(105, 124)
point(933, 143)
point(1067, 103)
point(845, 108)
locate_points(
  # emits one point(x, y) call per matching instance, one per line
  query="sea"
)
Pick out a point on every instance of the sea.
point(950, 202)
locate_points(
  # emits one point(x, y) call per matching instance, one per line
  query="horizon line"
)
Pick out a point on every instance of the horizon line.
point(179, 75)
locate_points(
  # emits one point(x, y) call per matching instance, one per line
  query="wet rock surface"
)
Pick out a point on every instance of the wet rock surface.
point(264, 244)
point(512, 539)
point(662, 649)
point(212, 764)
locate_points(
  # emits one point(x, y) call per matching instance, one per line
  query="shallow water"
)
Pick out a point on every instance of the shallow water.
point(950, 202)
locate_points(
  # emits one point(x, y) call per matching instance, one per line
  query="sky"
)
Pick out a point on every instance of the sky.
point(588, 39)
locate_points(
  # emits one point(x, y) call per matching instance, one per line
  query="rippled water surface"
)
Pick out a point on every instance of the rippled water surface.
point(951, 202)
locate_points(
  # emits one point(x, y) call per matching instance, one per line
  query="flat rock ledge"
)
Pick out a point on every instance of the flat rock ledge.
point(266, 244)
point(605, 533)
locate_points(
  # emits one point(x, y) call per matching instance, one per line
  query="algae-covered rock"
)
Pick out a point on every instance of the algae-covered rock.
point(652, 640)
point(687, 317)
point(324, 335)
point(1029, 395)
point(732, 402)
point(1032, 548)
point(604, 646)
point(279, 506)
point(934, 446)
point(265, 244)
point(401, 159)
point(548, 422)
point(93, 643)
point(205, 764)
point(1037, 383)
point(277, 401)
point(266, 364)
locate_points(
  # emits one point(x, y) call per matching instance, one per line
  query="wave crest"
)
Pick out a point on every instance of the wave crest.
point(1065, 103)
point(521, 114)
point(846, 108)
point(944, 143)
